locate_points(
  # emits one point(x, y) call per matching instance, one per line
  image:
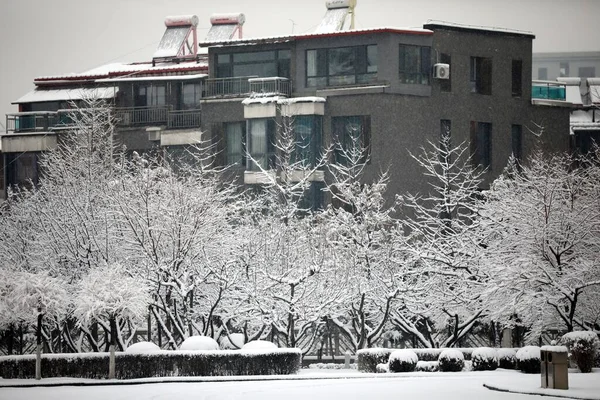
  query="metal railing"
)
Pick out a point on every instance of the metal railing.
point(31, 121)
point(184, 119)
point(133, 116)
point(273, 86)
point(548, 90)
point(227, 87)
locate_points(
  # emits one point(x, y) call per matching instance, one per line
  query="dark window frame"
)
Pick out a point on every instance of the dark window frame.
point(446, 84)
point(230, 156)
point(281, 61)
point(516, 141)
point(342, 140)
point(517, 78)
point(308, 150)
point(270, 155)
point(481, 75)
point(481, 144)
point(361, 71)
point(420, 72)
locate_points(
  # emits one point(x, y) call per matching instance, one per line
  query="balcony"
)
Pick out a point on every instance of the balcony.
point(549, 90)
point(246, 86)
point(131, 117)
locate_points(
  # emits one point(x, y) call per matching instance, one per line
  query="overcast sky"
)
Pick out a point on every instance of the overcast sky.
point(46, 37)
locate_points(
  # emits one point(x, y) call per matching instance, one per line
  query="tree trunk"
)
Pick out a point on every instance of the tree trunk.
point(113, 343)
point(38, 352)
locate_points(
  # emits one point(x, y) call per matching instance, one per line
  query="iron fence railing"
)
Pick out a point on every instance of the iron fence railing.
point(184, 119)
point(227, 87)
point(273, 86)
point(132, 116)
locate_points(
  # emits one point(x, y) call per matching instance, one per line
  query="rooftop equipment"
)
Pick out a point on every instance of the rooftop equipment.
point(180, 40)
point(225, 27)
point(336, 15)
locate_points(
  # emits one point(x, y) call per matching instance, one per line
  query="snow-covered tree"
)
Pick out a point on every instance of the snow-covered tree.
point(543, 242)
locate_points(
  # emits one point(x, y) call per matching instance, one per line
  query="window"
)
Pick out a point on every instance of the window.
point(517, 141)
point(257, 63)
point(564, 69)
point(341, 66)
point(587, 72)
point(543, 74)
point(308, 133)
point(446, 84)
point(260, 138)
point(235, 136)
point(481, 144)
point(415, 64)
point(351, 139)
point(151, 96)
point(445, 139)
point(190, 96)
point(481, 75)
point(517, 78)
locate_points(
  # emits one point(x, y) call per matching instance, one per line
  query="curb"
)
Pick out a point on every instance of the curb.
point(564, 396)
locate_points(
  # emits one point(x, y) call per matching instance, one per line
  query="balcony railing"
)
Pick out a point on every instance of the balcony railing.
point(548, 90)
point(247, 85)
point(36, 121)
point(184, 119)
point(273, 86)
point(134, 116)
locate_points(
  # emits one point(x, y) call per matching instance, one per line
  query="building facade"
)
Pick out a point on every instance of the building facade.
point(392, 90)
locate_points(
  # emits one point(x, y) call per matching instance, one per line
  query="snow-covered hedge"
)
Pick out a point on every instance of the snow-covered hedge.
point(582, 346)
point(402, 360)
point(528, 359)
point(427, 366)
point(507, 358)
point(484, 359)
point(157, 364)
point(368, 359)
point(451, 360)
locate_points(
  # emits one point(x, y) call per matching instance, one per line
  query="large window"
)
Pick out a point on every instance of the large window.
point(351, 139)
point(263, 64)
point(235, 136)
point(190, 96)
point(307, 131)
point(481, 144)
point(341, 66)
point(151, 96)
point(517, 78)
point(543, 73)
point(481, 75)
point(564, 69)
point(260, 139)
point(415, 64)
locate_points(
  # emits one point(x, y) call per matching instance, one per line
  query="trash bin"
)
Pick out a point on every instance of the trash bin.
point(554, 367)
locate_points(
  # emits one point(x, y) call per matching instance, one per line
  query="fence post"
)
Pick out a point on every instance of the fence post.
point(347, 359)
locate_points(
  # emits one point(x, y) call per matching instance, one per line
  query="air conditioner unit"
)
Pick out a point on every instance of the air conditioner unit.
point(441, 71)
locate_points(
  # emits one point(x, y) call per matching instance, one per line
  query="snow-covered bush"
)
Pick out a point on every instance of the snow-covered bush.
point(258, 345)
point(582, 346)
point(434, 354)
point(427, 366)
point(199, 343)
point(507, 358)
point(142, 348)
point(234, 341)
point(367, 359)
point(451, 360)
point(484, 359)
point(330, 365)
point(403, 360)
point(382, 368)
point(528, 359)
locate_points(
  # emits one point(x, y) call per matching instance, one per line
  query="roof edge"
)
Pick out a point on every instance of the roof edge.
point(488, 30)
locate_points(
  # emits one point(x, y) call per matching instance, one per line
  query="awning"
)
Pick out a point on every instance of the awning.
point(40, 95)
point(153, 78)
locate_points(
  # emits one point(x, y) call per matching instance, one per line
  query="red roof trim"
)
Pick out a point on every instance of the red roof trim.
point(363, 32)
point(120, 73)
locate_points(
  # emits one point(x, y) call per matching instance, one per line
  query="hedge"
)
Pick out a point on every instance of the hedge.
point(367, 359)
point(159, 364)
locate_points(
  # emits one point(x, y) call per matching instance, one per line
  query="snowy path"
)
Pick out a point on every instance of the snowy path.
point(446, 386)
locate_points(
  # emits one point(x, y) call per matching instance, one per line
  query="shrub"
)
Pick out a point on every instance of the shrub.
point(528, 359)
point(507, 358)
point(427, 366)
point(157, 364)
point(199, 343)
point(582, 346)
point(367, 359)
point(402, 361)
point(259, 345)
point(484, 359)
point(382, 368)
point(142, 348)
point(451, 360)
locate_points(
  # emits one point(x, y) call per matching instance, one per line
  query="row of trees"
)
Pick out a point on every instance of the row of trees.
point(116, 242)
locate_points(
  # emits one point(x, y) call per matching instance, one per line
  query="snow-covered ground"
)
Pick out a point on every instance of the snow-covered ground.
point(322, 384)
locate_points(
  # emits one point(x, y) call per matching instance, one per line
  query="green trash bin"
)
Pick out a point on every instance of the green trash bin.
point(554, 367)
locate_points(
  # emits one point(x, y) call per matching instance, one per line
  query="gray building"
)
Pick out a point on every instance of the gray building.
point(393, 89)
point(549, 66)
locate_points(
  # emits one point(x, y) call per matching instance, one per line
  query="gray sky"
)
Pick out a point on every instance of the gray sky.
point(47, 37)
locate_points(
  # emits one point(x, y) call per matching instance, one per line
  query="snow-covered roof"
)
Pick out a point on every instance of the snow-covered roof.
point(433, 24)
point(282, 100)
point(582, 120)
point(594, 89)
point(153, 78)
point(41, 95)
point(292, 37)
point(572, 90)
point(120, 69)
